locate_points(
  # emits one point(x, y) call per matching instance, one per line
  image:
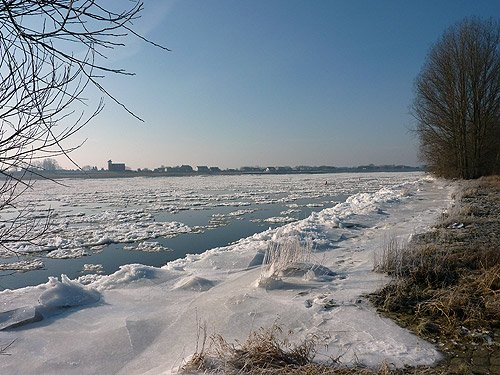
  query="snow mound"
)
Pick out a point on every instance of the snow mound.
point(195, 283)
point(269, 283)
point(131, 275)
point(56, 295)
point(67, 293)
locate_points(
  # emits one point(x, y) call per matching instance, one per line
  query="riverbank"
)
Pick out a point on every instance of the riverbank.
point(448, 282)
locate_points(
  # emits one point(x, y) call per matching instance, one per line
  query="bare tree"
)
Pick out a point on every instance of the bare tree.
point(50, 53)
point(457, 101)
point(48, 164)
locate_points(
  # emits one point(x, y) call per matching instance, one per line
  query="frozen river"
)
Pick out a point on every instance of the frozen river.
point(326, 231)
point(99, 225)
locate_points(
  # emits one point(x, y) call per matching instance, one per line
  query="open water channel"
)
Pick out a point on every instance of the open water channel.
point(98, 225)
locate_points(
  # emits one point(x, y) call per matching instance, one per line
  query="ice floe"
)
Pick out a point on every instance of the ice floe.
point(93, 268)
point(22, 265)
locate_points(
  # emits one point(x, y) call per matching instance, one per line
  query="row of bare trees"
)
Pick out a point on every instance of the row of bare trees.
point(457, 101)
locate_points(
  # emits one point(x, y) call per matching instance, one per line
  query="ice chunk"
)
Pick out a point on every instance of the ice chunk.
point(67, 253)
point(19, 317)
point(151, 247)
point(279, 219)
point(94, 268)
point(302, 269)
point(22, 265)
point(257, 260)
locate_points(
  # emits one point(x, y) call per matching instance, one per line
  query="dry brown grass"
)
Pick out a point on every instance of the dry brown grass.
point(473, 301)
point(269, 352)
point(264, 350)
point(461, 288)
point(390, 259)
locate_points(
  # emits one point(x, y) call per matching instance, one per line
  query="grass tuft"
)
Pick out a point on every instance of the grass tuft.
point(279, 257)
point(263, 351)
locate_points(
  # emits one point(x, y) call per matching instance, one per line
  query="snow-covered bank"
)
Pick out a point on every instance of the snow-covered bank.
point(146, 319)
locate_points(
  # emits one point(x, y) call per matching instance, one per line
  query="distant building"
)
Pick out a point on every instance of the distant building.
point(186, 168)
point(202, 169)
point(182, 169)
point(116, 167)
point(304, 168)
point(251, 169)
point(215, 169)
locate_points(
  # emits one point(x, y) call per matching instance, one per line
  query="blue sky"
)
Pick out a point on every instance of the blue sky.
point(275, 82)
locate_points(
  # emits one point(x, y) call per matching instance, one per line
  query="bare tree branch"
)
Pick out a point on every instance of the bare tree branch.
point(51, 53)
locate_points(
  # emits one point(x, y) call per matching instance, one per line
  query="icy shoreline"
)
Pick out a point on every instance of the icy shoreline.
point(146, 318)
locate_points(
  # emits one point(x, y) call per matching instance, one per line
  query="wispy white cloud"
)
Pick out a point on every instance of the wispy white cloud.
point(155, 14)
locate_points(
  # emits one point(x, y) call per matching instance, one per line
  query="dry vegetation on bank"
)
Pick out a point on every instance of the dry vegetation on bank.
point(447, 281)
point(269, 352)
